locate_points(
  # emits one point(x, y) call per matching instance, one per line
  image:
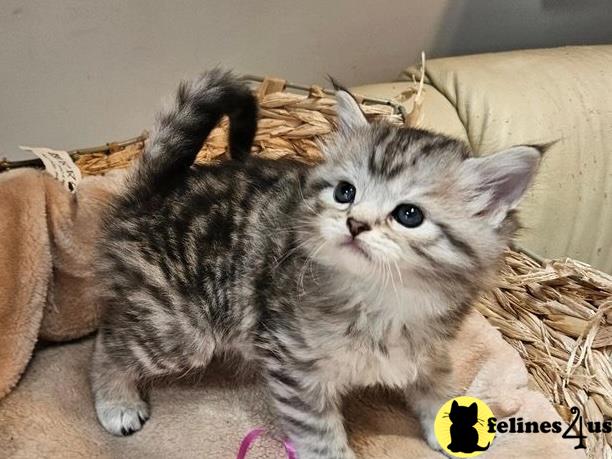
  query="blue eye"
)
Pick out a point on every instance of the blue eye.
point(408, 215)
point(344, 193)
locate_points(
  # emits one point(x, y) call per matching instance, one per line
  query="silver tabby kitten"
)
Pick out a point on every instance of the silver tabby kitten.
point(353, 273)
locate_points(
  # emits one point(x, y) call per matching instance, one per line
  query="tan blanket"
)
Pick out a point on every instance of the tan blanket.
point(46, 237)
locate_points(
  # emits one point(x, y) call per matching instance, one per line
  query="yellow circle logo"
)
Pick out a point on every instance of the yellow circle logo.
point(461, 427)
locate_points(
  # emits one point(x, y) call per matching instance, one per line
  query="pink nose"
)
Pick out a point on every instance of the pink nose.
point(356, 227)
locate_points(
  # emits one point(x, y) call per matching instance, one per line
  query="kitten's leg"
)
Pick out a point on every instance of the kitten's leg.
point(119, 405)
point(309, 414)
point(433, 387)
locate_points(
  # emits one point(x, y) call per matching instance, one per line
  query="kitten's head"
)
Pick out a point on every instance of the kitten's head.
point(464, 415)
point(392, 199)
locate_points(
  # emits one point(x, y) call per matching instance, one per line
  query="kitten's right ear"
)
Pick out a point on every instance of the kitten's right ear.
point(454, 405)
point(350, 116)
point(501, 179)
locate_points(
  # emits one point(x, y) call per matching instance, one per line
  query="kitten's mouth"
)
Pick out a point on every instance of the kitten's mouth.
point(356, 247)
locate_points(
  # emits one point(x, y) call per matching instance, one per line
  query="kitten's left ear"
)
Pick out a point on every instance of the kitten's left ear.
point(350, 116)
point(501, 179)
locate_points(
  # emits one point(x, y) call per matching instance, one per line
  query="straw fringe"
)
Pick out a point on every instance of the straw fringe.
point(558, 315)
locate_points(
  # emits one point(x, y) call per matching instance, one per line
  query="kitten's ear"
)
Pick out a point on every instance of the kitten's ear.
point(501, 179)
point(350, 116)
point(474, 407)
point(455, 405)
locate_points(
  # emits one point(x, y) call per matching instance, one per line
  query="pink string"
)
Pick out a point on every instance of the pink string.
point(253, 435)
point(247, 441)
point(291, 452)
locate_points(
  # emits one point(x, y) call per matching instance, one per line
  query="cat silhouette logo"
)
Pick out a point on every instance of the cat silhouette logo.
point(461, 427)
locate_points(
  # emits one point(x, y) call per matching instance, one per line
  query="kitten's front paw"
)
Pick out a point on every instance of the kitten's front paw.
point(122, 419)
point(341, 453)
point(344, 455)
point(430, 437)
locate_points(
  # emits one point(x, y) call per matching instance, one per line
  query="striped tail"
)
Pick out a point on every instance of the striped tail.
point(181, 130)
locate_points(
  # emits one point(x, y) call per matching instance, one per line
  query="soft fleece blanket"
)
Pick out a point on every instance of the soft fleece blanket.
point(46, 239)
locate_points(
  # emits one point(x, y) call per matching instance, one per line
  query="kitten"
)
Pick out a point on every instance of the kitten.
point(352, 273)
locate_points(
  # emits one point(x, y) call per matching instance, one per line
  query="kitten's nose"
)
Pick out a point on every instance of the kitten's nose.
point(356, 227)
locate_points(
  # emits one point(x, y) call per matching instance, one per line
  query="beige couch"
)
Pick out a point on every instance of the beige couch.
point(537, 96)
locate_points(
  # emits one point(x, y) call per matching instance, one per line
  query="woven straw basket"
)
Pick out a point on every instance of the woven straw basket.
point(556, 313)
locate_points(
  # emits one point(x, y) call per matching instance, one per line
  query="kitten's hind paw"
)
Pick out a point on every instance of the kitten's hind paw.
point(122, 419)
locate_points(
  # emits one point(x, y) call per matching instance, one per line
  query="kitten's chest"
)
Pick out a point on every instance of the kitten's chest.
point(378, 345)
point(359, 363)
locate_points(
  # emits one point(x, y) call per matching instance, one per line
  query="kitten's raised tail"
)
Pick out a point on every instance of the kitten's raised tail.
point(181, 129)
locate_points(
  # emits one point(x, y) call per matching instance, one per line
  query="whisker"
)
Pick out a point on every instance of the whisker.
point(301, 245)
point(309, 261)
point(304, 199)
point(397, 297)
point(399, 273)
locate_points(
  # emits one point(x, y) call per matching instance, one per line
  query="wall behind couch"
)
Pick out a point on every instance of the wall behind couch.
point(81, 72)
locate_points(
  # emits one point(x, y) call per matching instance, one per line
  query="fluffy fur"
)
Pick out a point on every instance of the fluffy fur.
point(256, 257)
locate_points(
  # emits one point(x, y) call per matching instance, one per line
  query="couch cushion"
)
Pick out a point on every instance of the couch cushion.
point(539, 96)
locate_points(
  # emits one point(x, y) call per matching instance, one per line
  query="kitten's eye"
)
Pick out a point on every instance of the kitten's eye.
point(408, 215)
point(344, 192)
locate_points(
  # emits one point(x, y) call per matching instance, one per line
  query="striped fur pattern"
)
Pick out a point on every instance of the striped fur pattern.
point(256, 257)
